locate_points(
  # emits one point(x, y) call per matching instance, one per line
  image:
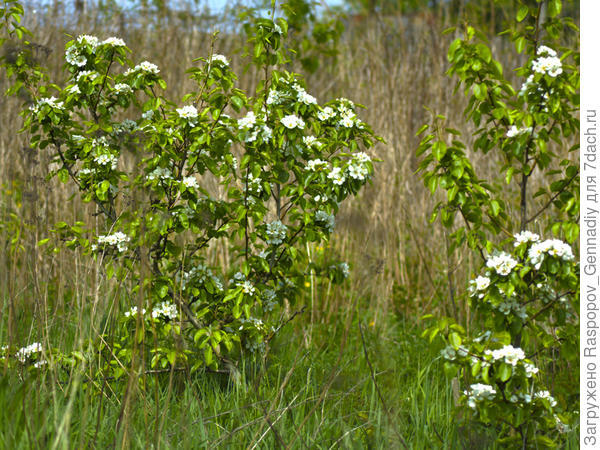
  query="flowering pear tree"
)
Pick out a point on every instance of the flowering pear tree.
point(526, 297)
point(261, 175)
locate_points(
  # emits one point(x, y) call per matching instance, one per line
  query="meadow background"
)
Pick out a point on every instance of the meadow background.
point(350, 370)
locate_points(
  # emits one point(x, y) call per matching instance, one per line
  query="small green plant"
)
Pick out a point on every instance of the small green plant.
point(526, 299)
point(262, 175)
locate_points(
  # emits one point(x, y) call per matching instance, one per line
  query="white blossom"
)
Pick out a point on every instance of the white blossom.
point(345, 268)
point(133, 312)
point(502, 263)
point(362, 157)
point(166, 310)
point(160, 173)
point(188, 112)
point(524, 237)
point(303, 96)
point(316, 164)
point(127, 126)
point(337, 176)
point(328, 220)
point(478, 286)
point(274, 97)
point(347, 118)
point(52, 102)
point(480, 392)
point(326, 114)
point(247, 121)
point(89, 74)
point(144, 66)
point(23, 354)
point(545, 395)
point(106, 159)
point(553, 247)
point(292, 121)
point(190, 182)
point(309, 141)
point(219, 59)
point(530, 370)
point(549, 65)
point(357, 171)
point(114, 42)
point(122, 88)
point(74, 58)
point(276, 232)
point(448, 353)
point(118, 239)
point(74, 89)
point(514, 131)
point(92, 41)
point(510, 354)
point(247, 288)
point(148, 114)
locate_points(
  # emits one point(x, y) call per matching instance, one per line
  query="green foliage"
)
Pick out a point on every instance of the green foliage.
point(312, 39)
point(527, 301)
point(176, 181)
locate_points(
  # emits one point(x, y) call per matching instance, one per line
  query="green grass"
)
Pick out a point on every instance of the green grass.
point(316, 396)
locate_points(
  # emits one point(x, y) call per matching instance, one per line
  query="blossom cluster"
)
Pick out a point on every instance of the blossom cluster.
point(160, 173)
point(165, 310)
point(479, 392)
point(510, 354)
point(525, 237)
point(292, 121)
point(328, 220)
point(74, 56)
point(247, 287)
point(356, 169)
point(220, 59)
point(188, 112)
point(190, 182)
point(303, 96)
point(25, 353)
point(134, 311)
point(144, 66)
point(553, 247)
point(118, 239)
point(52, 102)
point(253, 184)
point(515, 131)
point(478, 286)
point(502, 263)
point(276, 232)
point(106, 159)
point(200, 274)
point(547, 63)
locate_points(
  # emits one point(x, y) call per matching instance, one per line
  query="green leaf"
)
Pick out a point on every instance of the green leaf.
point(480, 91)
point(43, 242)
point(63, 175)
point(520, 44)
point(455, 340)
point(504, 372)
point(237, 102)
point(554, 8)
point(495, 207)
point(163, 291)
point(439, 150)
point(522, 13)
